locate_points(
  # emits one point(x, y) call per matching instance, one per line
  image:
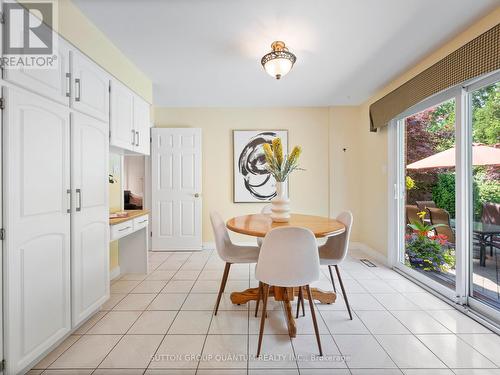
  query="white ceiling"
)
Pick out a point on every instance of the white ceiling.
point(207, 52)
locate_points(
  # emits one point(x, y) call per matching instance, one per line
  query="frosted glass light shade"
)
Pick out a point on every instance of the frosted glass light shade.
point(278, 62)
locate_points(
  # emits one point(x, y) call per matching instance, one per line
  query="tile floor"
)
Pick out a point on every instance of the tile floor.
point(162, 323)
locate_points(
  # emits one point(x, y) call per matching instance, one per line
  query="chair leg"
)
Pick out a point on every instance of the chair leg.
point(258, 299)
point(263, 317)
point(331, 278)
point(343, 292)
point(302, 302)
point(222, 286)
point(299, 302)
point(313, 315)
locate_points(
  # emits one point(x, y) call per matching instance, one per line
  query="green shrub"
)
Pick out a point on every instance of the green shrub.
point(443, 194)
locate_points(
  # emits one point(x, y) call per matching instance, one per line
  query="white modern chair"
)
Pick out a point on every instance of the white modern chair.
point(288, 258)
point(229, 252)
point(334, 251)
point(266, 210)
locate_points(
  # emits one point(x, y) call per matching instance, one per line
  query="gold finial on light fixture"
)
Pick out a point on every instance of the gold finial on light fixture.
point(278, 62)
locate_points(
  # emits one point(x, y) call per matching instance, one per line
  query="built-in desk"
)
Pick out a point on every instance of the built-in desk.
point(132, 234)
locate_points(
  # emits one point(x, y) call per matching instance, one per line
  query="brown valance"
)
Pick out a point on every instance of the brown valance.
point(479, 56)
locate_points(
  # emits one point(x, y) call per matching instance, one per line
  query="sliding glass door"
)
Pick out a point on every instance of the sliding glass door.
point(446, 177)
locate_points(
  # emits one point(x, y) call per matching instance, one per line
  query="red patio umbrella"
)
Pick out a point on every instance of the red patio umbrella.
point(481, 155)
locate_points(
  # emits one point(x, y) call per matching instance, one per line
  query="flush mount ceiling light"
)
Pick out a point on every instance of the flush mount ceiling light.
point(278, 62)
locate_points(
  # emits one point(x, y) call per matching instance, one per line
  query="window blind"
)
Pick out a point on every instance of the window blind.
point(479, 56)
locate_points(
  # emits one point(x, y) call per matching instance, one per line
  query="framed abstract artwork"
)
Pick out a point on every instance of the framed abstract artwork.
point(252, 182)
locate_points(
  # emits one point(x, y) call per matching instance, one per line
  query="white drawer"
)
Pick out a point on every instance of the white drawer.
point(140, 222)
point(121, 230)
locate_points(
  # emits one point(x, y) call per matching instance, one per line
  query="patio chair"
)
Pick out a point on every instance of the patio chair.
point(491, 215)
point(422, 205)
point(411, 214)
point(440, 216)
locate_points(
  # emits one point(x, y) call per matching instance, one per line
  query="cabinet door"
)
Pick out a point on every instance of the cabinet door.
point(90, 87)
point(90, 223)
point(51, 83)
point(37, 222)
point(122, 116)
point(141, 125)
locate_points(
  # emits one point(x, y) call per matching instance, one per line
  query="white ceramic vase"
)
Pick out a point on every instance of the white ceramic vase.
point(280, 204)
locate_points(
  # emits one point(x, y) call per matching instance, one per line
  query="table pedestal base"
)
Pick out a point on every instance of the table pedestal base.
point(286, 295)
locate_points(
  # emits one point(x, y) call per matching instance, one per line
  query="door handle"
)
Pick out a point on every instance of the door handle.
point(79, 205)
point(137, 142)
point(68, 201)
point(196, 195)
point(133, 137)
point(68, 85)
point(77, 89)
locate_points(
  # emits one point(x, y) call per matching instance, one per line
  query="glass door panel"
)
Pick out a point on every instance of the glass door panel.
point(485, 226)
point(429, 199)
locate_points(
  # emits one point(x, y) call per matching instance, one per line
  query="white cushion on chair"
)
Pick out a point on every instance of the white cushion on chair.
point(335, 248)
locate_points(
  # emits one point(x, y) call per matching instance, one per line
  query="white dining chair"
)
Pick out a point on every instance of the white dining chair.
point(334, 251)
point(288, 258)
point(266, 210)
point(229, 252)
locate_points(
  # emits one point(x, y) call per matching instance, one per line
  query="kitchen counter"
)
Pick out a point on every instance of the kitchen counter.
point(131, 215)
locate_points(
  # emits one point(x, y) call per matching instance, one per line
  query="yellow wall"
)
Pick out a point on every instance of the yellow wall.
point(308, 127)
point(372, 162)
point(76, 28)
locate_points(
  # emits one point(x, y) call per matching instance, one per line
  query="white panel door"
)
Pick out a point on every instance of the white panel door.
point(141, 125)
point(90, 224)
point(90, 87)
point(176, 189)
point(51, 83)
point(36, 167)
point(122, 116)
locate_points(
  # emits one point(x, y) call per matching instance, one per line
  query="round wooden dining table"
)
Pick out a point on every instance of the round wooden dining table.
point(257, 225)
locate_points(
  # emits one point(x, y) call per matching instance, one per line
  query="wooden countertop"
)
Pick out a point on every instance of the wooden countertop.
point(131, 215)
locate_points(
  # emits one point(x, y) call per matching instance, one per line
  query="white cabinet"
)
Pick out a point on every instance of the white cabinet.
point(90, 224)
point(130, 120)
point(52, 83)
point(90, 87)
point(122, 116)
point(36, 167)
point(141, 125)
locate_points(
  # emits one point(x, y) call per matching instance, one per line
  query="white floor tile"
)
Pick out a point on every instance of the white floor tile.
point(225, 351)
point(454, 352)
point(381, 322)
point(276, 352)
point(420, 322)
point(90, 322)
point(163, 275)
point(178, 286)
point(364, 301)
point(427, 301)
point(395, 302)
point(370, 371)
point(191, 323)
point(171, 301)
point(113, 301)
point(53, 355)
point(87, 352)
point(306, 350)
point(178, 352)
point(408, 352)
point(153, 322)
point(338, 322)
point(135, 302)
point(114, 323)
point(133, 351)
point(200, 301)
point(229, 323)
point(427, 372)
point(149, 286)
point(363, 351)
point(124, 286)
point(486, 344)
point(457, 322)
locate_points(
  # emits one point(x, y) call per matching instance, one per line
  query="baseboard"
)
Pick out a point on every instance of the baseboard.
point(372, 253)
point(208, 246)
point(114, 273)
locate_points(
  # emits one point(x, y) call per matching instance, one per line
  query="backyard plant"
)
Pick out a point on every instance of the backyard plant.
point(426, 250)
